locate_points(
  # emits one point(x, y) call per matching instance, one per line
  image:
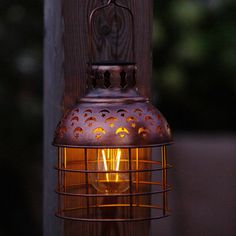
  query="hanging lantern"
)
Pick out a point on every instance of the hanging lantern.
point(106, 145)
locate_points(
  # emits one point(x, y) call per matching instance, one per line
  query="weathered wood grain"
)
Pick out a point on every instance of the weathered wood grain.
point(53, 88)
point(112, 35)
point(66, 55)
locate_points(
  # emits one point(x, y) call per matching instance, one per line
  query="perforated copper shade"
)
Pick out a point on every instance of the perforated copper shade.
point(113, 113)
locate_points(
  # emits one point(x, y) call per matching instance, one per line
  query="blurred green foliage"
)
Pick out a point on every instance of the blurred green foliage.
point(194, 85)
point(195, 64)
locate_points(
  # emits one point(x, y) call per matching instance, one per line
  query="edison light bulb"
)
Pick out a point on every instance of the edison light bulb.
point(109, 162)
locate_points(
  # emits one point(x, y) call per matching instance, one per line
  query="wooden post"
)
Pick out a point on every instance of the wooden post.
point(65, 58)
point(53, 89)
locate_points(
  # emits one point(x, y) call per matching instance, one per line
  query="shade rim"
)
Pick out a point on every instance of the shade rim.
point(112, 146)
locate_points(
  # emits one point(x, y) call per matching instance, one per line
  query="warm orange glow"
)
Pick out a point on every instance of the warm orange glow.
point(109, 164)
point(105, 163)
point(122, 129)
point(113, 158)
point(99, 130)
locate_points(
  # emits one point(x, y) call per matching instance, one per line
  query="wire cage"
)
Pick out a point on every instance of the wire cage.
point(112, 185)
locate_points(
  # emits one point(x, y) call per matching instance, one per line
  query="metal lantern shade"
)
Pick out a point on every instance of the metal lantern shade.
point(113, 114)
point(105, 164)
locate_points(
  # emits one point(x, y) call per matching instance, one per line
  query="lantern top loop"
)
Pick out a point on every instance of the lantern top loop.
point(90, 24)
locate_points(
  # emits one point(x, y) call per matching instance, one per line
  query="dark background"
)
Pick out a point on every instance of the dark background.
point(194, 86)
point(195, 64)
point(21, 41)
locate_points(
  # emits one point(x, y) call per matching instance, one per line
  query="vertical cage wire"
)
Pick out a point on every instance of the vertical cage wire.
point(164, 179)
point(81, 181)
point(130, 184)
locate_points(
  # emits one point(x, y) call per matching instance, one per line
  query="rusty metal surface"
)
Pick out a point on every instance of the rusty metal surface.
point(112, 76)
point(115, 115)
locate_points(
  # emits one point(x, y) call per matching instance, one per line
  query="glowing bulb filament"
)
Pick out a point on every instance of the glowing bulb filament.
point(111, 171)
point(118, 163)
point(105, 163)
point(111, 162)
